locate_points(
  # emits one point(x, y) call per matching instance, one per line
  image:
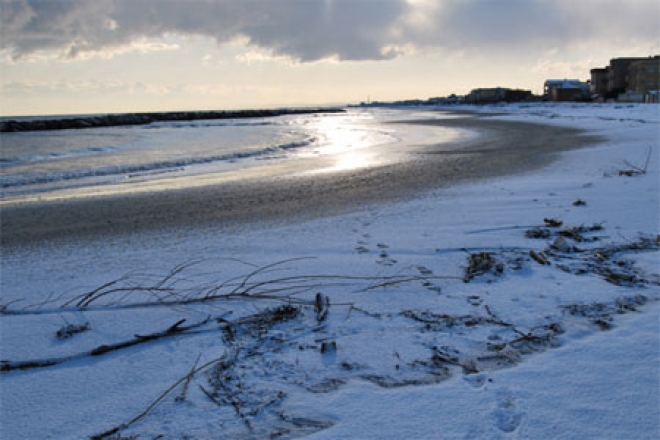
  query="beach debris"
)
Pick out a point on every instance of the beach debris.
point(601, 314)
point(561, 245)
point(482, 263)
point(606, 261)
point(538, 232)
point(247, 337)
point(186, 384)
point(441, 321)
point(278, 348)
point(174, 330)
point(552, 222)
point(537, 339)
point(321, 306)
point(566, 256)
point(328, 346)
point(636, 170)
point(70, 330)
point(539, 257)
point(577, 233)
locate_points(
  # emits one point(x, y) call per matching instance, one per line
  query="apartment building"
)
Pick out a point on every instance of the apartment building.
point(628, 79)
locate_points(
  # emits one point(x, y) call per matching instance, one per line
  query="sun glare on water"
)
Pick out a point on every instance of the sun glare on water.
point(345, 140)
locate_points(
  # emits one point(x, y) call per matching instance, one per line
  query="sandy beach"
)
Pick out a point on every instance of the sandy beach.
point(454, 303)
point(501, 148)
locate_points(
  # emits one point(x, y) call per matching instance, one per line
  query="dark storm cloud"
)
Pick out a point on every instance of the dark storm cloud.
point(309, 30)
point(305, 30)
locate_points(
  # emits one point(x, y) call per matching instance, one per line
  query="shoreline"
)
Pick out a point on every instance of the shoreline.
point(501, 148)
point(511, 346)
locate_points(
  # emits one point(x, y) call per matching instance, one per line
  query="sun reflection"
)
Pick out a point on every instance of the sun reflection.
point(338, 135)
point(345, 140)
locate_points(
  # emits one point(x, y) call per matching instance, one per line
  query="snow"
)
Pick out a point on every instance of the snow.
point(596, 387)
point(576, 357)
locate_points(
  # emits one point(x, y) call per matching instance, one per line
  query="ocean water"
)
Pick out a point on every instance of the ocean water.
point(63, 164)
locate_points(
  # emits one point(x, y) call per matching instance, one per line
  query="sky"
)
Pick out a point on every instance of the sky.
point(99, 56)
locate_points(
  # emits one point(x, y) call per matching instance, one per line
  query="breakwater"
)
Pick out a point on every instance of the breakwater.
point(111, 120)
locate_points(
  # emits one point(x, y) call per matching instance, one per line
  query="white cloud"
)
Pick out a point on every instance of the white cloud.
point(258, 55)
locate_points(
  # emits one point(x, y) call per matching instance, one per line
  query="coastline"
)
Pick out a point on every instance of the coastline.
point(399, 345)
point(501, 148)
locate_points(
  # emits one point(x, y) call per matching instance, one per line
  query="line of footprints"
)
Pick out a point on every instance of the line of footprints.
point(385, 259)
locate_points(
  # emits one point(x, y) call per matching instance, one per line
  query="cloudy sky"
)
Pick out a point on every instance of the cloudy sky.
point(89, 56)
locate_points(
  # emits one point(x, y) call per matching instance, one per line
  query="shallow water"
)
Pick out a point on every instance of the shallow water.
point(73, 163)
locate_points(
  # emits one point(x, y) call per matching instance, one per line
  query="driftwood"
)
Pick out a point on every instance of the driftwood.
point(175, 330)
point(635, 170)
point(153, 404)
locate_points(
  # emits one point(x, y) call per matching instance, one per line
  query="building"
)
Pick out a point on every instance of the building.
point(644, 76)
point(497, 94)
point(599, 80)
point(643, 81)
point(519, 95)
point(485, 96)
point(617, 78)
point(566, 90)
point(628, 79)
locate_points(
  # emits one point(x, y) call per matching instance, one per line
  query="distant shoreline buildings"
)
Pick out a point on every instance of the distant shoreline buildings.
point(623, 80)
point(628, 80)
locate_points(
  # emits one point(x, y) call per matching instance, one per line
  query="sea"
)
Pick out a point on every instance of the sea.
point(62, 164)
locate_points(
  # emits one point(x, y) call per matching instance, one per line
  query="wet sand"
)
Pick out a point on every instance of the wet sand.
point(501, 148)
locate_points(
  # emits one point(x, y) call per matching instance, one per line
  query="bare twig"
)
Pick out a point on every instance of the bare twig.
point(174, 330)
point(159, 399)
point(636, 170)
point(186, 384)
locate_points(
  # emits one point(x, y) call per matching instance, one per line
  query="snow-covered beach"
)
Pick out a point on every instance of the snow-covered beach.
point(331, 164)
point(509, 306)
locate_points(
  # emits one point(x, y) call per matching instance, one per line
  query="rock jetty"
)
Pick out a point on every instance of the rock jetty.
point(111, 120)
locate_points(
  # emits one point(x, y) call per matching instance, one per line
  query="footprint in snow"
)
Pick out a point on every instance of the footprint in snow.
point(506, 414)
point(476, 380)
point(385, 259)
point(425, 271)
point(361, 249)
point(474, 300)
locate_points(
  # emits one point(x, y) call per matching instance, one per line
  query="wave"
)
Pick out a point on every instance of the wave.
point(22, 160)
point(25, 179)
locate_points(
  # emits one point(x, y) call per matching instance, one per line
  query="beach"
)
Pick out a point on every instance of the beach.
point(500, 148)
point(501, 286)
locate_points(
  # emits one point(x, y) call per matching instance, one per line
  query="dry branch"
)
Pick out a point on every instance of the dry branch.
point(153, 404)
point(174, 330)
point(635, 170)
